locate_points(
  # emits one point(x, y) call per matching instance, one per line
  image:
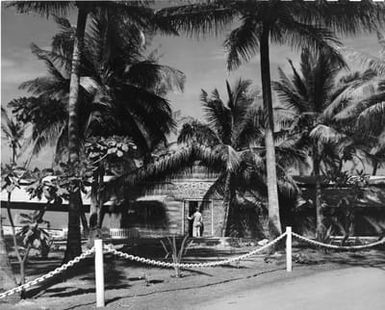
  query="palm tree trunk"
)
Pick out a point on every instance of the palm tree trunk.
point(375, 167)
point(93, 221)
point(74, 239)
point(318, 192)
point(14, 155)
point(272, 188)
point(100, 196)
point(15, 245)
point(226, 205)
point(97, 199)
point(7, 278)
point(83, 220)
point(302, 169)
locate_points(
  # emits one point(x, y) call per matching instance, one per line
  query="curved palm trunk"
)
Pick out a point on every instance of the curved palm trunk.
point(96, 208)
point(21, 259)
point(320, 228)
point(7, 278)
point(74, 239)
point(226, 205)
point(272, 188)
point(375, 167)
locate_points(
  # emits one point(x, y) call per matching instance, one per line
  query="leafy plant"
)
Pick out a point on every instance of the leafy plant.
point(11, 179)
point(33, 235)
point(105, 155)
point(176, 253)
point(342, 216)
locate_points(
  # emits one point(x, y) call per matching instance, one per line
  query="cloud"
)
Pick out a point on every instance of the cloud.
point(217, 55)
point(17, 77)
point(7, 63)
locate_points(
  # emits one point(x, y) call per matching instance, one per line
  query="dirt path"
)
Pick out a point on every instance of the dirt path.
point(356, 288)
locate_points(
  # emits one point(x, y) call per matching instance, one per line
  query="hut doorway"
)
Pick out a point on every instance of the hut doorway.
point(207, 210)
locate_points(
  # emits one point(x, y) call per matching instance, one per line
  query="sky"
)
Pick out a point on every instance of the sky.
point(202, 61)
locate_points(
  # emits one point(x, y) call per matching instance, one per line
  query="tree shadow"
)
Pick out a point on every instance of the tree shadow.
point(92, 304)
point(234, 267)
point(194, 271)
point(71, 291)
point(369, 258)
point(83, 271)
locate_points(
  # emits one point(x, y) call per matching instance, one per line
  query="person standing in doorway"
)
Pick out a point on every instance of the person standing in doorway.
point(197, 222)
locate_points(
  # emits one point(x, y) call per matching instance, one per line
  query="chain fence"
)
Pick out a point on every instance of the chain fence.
point(111, 250)
point(48, 275)
point(339, 247)
point(153, 262)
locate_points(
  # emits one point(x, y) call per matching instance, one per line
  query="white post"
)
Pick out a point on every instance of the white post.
point(99, 273)
point(289, 267)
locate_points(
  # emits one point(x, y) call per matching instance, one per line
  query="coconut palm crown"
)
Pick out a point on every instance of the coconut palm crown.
point(315, 95)
point(13, 131)
point(235, 131)
point(121, 90)
point(138, 13)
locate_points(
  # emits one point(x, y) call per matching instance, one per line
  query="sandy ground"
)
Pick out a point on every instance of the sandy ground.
point(236, 286)
point(357, 288)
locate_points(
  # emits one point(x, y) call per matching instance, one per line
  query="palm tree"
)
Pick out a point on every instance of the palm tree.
point(228, 131)
point(235, 131)
point(295, 23)
point(14, 132)
point(136, 12)
point(121, 91)
point(315, 95)
point(368, 109)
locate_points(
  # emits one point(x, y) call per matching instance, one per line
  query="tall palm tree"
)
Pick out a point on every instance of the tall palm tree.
point(235, 131)
point(137, 12)
point(315, 95)
point(13, 131)
point(368, 109)
point(121, 90)
point(295, 23)
point(228, 131)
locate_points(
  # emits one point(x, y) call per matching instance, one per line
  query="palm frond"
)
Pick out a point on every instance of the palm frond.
point(198, 132)
point(217, 115)
point(242, 43)
point(44, 8)
point(300, 35)
point(326, 134)
point(232, 159)
point(372, 119)
point(349, 18)
point(289, 95)
point(368, 61)
point(198, 19)
point(217, 188)
point(150, 75)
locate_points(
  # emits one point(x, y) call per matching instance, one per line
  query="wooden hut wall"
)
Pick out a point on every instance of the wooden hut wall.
point(175, 196)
